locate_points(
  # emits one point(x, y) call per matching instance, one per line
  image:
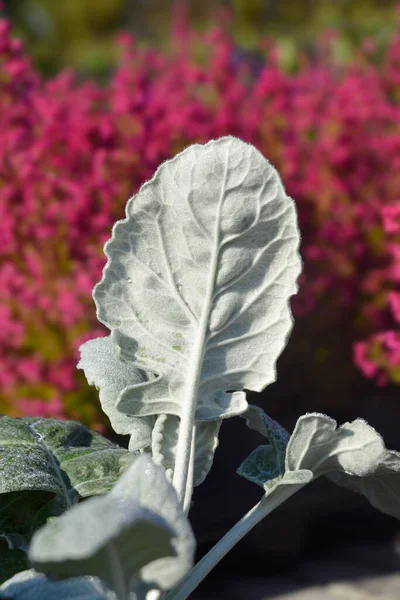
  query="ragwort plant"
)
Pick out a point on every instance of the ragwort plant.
point(195, 295)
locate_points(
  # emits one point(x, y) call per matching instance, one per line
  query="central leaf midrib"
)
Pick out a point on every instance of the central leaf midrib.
point(198, 348)
point(192, 381)
point(209, 295)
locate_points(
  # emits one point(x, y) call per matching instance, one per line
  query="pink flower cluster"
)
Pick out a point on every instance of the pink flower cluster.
point(71, 154)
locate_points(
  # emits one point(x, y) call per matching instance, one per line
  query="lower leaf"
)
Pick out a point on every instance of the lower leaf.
point(165, 440)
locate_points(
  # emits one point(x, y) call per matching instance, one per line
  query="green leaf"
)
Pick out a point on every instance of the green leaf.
point(23, 512)
point(47, 465)
point(258, 420)
point(200, 273)
point(13, 558)
point(29, 585)
point(265, 466)
point(261, 467)
point(135, 538)
point(12, 562)
point(13, 541)
point(110, 375)
point(165, 439)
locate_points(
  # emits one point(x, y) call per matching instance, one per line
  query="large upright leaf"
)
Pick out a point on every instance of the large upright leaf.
point(135, 538)
point(198, 280)
point(47, 465)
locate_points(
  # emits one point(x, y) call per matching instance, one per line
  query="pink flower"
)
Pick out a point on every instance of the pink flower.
point(394, 303)
point(362, 360)
point(71, 154)
point(391, 218)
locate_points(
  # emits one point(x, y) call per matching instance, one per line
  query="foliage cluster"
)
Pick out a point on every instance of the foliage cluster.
point(71, 153)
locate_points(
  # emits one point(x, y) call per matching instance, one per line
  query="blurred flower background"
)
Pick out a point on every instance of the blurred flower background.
point(94, 94)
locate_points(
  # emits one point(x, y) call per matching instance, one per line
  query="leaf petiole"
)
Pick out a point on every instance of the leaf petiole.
point(267, 504)
point(189, 481)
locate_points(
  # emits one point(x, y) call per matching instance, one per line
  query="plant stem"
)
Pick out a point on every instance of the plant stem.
point(184, 445)
point(230, 539)
point(189, 482)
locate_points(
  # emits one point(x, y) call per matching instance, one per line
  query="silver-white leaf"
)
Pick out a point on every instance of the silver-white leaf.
point(104, 369)
point(317, 444)
point(145, 483)
point(381, 487)
point(107, 537)
point(353, 455)
point(200, 273)
point(165, 439)
point(134, 538)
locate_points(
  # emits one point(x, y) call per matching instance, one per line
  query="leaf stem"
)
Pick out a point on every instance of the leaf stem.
point(189, 481)
point(230, 539)
point(184, 445)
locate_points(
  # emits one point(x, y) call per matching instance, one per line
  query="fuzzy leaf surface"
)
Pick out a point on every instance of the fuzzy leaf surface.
point(200, 272)
point(381, 487)
point(265, 466)
point(147, 484)
point(319, 445)
point(165, 440)
point(352, 455)
point(105, 537)
point(111, 375)
point(135, 538)
point(261, 467)
point(47, 465)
